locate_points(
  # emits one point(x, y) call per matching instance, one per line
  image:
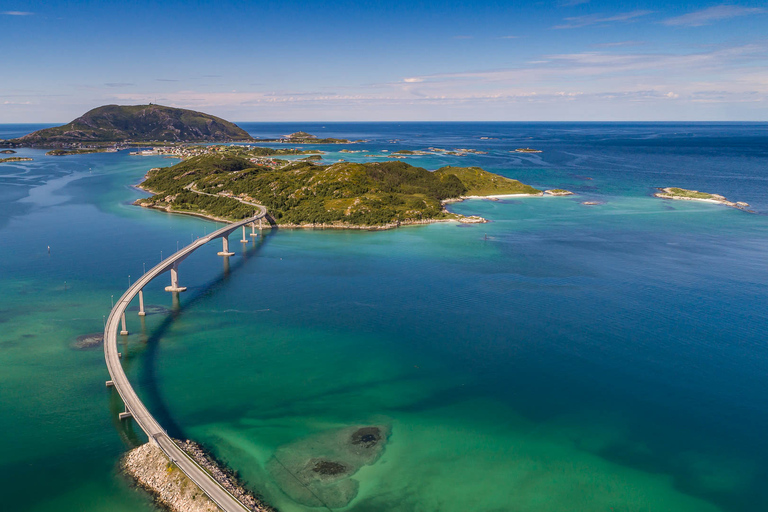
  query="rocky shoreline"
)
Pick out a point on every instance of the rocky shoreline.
point(680, 194)
point(472, 219)
point(149, 467)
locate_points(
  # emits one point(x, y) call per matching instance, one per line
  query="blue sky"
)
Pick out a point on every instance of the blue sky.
point(386, 61)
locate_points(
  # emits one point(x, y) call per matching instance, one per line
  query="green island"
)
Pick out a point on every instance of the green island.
point(308, 138)
point(7, 152)
point(245, 151)
point(558, 192)
point(302, 194)
point(136, 123)
point(15, 159)
point(695, 195)
point(64, 152)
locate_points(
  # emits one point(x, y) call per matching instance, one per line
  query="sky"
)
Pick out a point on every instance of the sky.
point(362, 60)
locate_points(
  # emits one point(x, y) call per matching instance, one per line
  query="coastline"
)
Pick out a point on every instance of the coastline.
point(666, 193)
point(461, 219)
point(491, 196)
point(150, 469)
point(378, 227)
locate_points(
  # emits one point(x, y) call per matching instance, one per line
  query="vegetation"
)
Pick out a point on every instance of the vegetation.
point(7, 152)
point(307, 138)
point(693, 194)
point(484, 183)
point(345, 193)
point(15, 159)
point(63, 152)
point(558, 192)
point(301, 135)
point(123, 123)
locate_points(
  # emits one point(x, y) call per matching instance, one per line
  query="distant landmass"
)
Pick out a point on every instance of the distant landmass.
point(139, 123)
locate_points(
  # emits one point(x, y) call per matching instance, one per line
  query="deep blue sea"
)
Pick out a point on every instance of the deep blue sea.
point(562, 357)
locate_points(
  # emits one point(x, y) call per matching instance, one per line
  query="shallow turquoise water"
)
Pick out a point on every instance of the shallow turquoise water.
point(562, 357)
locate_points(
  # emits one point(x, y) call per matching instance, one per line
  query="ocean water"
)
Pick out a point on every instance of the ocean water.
point(561, 357)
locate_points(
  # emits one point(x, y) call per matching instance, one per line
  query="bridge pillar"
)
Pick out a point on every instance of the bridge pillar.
point(124, 332)
point(125, 415)
point(175, 280)
point(253, 230)
point(225, 248)
point(141, 303)
point(244, 240)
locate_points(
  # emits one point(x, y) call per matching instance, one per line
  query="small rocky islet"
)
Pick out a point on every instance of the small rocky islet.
point(681, 194)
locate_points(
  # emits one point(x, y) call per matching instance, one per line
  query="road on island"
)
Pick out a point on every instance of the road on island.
point(134, 405)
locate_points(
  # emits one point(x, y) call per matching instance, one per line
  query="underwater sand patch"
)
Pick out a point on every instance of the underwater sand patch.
point(88, 341)
point(316, 471)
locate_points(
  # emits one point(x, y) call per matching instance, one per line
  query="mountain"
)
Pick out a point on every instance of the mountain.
point(139, 123)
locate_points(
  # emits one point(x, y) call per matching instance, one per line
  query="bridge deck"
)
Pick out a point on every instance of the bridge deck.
point(134, 405)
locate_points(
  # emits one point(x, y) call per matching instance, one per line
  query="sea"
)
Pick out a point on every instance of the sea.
point(563, 357)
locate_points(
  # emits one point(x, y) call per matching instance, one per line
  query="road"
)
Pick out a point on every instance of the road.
point(134, 405)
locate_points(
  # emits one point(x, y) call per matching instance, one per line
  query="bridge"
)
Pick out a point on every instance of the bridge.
point(134, 408)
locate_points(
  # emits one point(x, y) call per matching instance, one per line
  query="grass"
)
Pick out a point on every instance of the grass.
point(693, 194)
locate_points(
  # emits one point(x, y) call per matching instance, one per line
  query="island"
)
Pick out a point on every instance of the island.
point(558, 192)
point(527, 150)
point(135, 123)
point(63, 152)
point(682, 194)
point(7, 152)
point(15, 159)
point(308, 138)
point(372, 195)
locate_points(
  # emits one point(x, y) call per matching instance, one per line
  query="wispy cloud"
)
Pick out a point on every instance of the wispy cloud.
point(17, 13)
point(618, 44)
point(166, 80)
point(712, 14)
point(119, 84)
point(601, 19)
point(509, 37)
point(414, 80)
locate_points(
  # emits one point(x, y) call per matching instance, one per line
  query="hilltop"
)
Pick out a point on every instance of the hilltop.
point(344, 194)
point(138, 123)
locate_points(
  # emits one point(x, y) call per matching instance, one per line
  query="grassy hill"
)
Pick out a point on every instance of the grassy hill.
point(139, 123)
point(346, 193)
point(484, 183)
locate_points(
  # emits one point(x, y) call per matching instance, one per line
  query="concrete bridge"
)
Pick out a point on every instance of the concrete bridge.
point(134, 408)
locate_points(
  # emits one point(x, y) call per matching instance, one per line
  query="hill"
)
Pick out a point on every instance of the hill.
point(342, 194)
point(139, 123)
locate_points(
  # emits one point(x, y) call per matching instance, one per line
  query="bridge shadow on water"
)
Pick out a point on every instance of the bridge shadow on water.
point(147, 379)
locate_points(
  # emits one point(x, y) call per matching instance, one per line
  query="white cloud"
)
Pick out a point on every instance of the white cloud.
point(17, 13)
point(618, 43)
point(595, 19)
point(711, 14)
point(412, 80)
